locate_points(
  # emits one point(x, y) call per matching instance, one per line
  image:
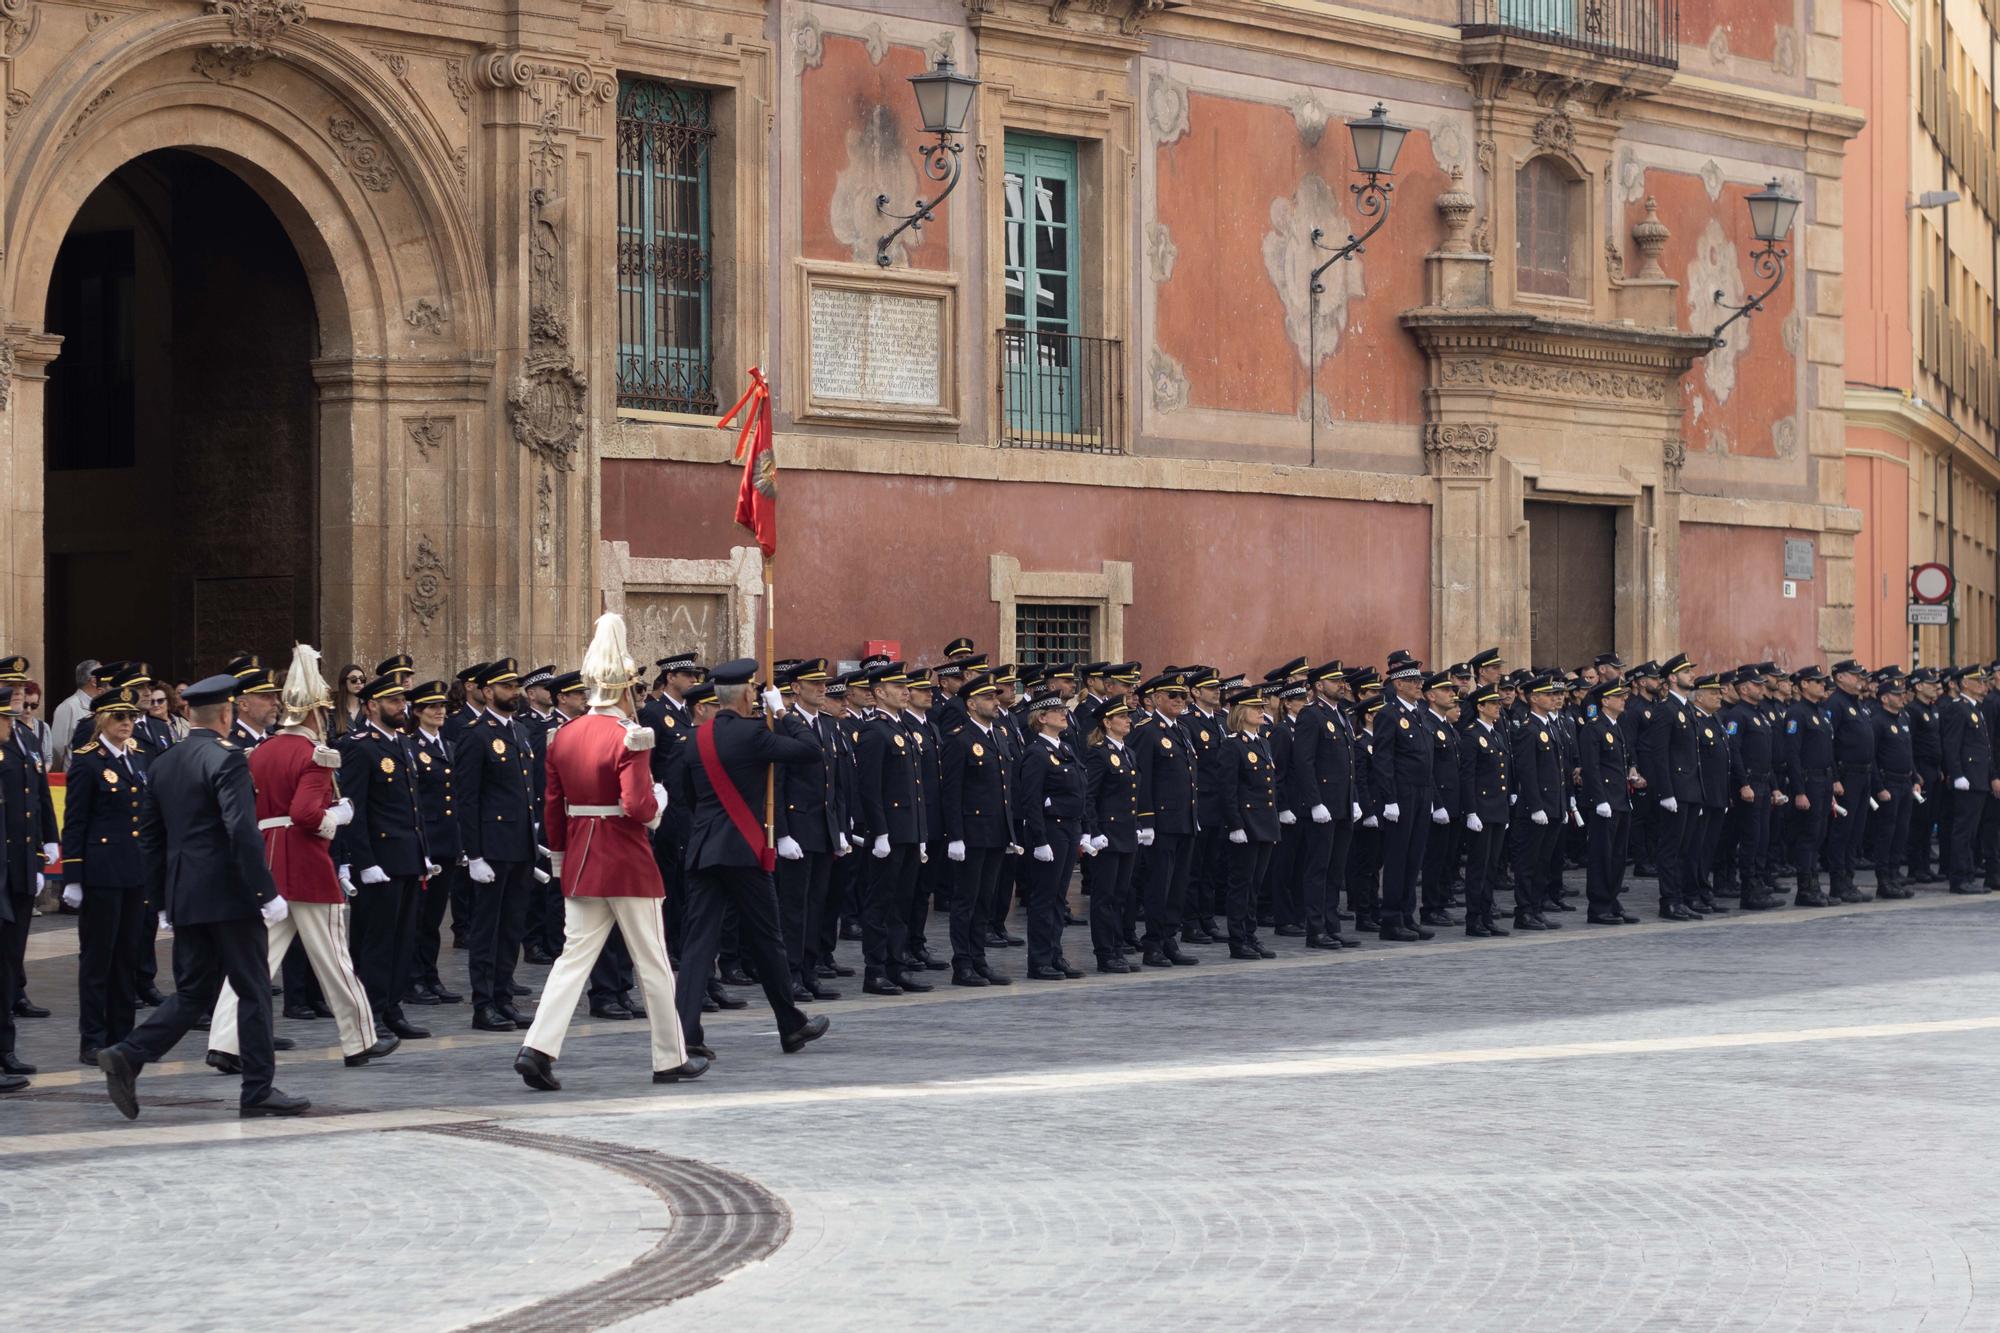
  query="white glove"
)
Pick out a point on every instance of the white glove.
point(1473, 825)
point(164, 923)
point(659, 796)
point(1604, 809)
point(1539, 817)
point(341, 812)
point(1671, 805)
point(923, 855)
point(274, 911)
point(374, 875)
point(1392, 812)
point(1145, 837)
point(1044, 854)
point(1015, 849)
point(1440, 815)
point(1099, 842)
point(954, 850)
point(542, 851)
point(853, 841)
point(774, 702)
point(1371, 822)
point(1960, 784)
point(481, 872)
point(840, 847)
point(347, 881)
point(432, 869)
point(51, 853)
point(1085, 846)
point(880, 850)
point(1321, 815)
point(1514, 799)
point(1239, 837)
point(789, 849)
point(1839, 810)
point(72, 896)
point(1355, 813)
point(541, 875)
point(1287, 818)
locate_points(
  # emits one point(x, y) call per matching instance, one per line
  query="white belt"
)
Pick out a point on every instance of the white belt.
point(595, 811)
point(277, 821)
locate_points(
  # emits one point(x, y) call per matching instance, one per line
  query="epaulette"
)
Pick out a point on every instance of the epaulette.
point(639, 738)
point(89, 747)
point(225, 743)
point(326, 756)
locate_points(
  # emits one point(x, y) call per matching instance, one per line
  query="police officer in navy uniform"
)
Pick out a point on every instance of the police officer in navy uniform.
point(104, 874)
point(1604, 797)
point(1894, 788)
point(200, 846)
point(381, 853)
point(1405, 752)
point(1966, 743)
point(811, 825)
point(976, 801)
point(1853, 772)
point(1485, 791)
point(430, 754)
point(492, 759)
point(1322, 776)
point(1670, 763)
point(256, 702)
point(1808, 764)
point(1050, 806)
point(1111, 780)
point(1537, 813)
point(29, 819)
point(1752, 774)
point(1169, 820)
point(1712, 751)
point(1927, 754)
point(1439, 722)
point(672, 721)
point(1208, 875)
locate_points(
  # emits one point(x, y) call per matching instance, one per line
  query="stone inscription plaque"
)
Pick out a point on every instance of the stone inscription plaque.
point(877, 347)
point(671, 622)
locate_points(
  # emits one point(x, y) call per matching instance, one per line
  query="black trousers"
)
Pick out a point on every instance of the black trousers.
point(382, 924)
point(1890, 826)
point(1808, 827)
point(843, 892)
point(301, 982)
point(1484, 853)
point(110, 932)
point(802, 886)
point(1247, 863)
point(1364, 874)
point(1108, 901)
point(1208, 875)
point(1604, 862)
point(1532, 845)
point(1047, 891)
point(1280, 896)
point(1753, 835)
point(148, 969)
point(1966, 807)
point(1845, 837)
point(1707, 839)
point(1323, 850)
point(461, 908)
point(611, 976)
point(886, 886)
point(933, 884)
point(760, 936)
point(1441, 860)
point(1924, 819)
point(1403, 845)
point(1645, 832)
point(669, 850)
point(439, 893)
point(975, 881)
point(14, 961)
point(205, 956)
point(1673, 830)
point(1014, 882)
point(1168, 863)
point(499, 918)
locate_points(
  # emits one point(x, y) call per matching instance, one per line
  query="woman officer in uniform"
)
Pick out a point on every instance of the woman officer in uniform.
point(103, 877)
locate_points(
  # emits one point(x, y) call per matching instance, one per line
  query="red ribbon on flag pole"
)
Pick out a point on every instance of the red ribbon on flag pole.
point(757, 497)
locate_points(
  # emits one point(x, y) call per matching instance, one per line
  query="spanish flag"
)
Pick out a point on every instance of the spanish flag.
point(757, 497)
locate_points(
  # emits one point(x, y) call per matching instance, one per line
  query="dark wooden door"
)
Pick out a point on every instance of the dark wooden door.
point(1572, 573)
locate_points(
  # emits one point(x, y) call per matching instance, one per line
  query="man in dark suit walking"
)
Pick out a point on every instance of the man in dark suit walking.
point(205, 860)
point(728, 860)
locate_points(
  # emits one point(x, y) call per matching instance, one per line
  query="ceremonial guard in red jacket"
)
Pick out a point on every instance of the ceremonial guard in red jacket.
point(601, 804)
point(298, 812)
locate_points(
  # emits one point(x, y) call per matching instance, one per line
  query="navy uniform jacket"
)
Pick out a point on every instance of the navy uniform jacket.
point(810, 809)
point(892, 792)
point(1668, 758)
point(101, 808)
point(456, 723)
point(1926, 752)
point(1712, 747)
point(1249, 788)
point(153, 735)
point(1404, 756)
point(1111, 778)
point(29, 813)
point(949, 715)
point(1894, 747)
point(1807, 752)
point(1168, 763)
point(198, 835)
point(493, 769)
point(1322, 769)
point(1538, 778)
point(1602, 757)
point(746, 749)
point(1632, 724)
point(387, 829)
point(1853, 733)
point(1963, 735)
point(930, 777)
point(1485, 774)
point(1204, 734)
point(1366, 794)
point(849, 731)
point(977, 798)
point(245, 736)
point(1752, 745)
point(1049, 785)
point(437, 797)
point(1445, 759)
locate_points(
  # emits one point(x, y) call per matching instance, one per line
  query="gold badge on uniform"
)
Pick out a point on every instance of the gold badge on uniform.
point(1482, 743)
point(424, 758)
point(1115, 763)
point(499, 748)
point(1545, 738)
point(899, 742)
point(389, 765)
point(1440, 737)
point(1708, 733)
point(1056, 760)
point(1683, 718)
point(1403, 722)
point(1204, 738)
point(978, 750)
point(1253, 758)
point(111, 777)
point(1607, 738)
point(1166, 743)
point(667, 721)
point(1332, 727)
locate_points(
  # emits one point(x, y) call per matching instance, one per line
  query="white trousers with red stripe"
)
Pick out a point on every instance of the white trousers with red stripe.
point(587, 925)
point(322, 927)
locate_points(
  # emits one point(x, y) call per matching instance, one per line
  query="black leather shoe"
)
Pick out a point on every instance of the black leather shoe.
point(1425, 934)
point(149, 998)
point(300, 1013)
point(1476, 929)
point(224, 1063)
point(1263, 950)
point(725, 1000)
point(13, 1083)
point(1154, 958)
point(88, 1056)
point(705, 1052)
point(539, 957)
point(274, 1103)
point(632, 1006)
point(1758, 902)
point(1179, 959)
point(1558, 905)
point(121, 1080)
point(709, 1006)
point(488, 1019)
point(11, 1063)
point(850, 930)
point(1367, 925)
point(1013, 941)
point(610, 1009)
point(283, 1044)
point(1290, 932)
point(25, 1008)
point(1853, 895)
point(517, 989)
point(993, 939)
point(821, 993)
point(1432, 916)
point(693, 1068)
point(382, 1047)
point(447, 996)
point(1496, 930)
point(1399, 934)
point(811, 1030)
point(1818, 899)
point(404, 1029)
point(420, 994)
point(1245, 953)
point(1047, 974)
point(909, 983)
point(1676, 912)
point(1323, 942)
point(880, 986)
point(519, 1019)
point(929, 963)
point(1530, 923)
point(993, 978)
point(799, 993)
point(1606, 919)
point(1115, 964)
point(321, 1009)
point(826, 971)
point(537, 1070)
point(965, 976)
point(735, 976)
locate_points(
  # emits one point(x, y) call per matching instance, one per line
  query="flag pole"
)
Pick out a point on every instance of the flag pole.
point(770, 722)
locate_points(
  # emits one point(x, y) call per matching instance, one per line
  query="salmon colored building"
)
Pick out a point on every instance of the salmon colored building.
point(1923, 380)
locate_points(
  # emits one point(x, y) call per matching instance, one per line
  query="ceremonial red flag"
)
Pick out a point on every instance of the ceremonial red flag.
point(757, 497)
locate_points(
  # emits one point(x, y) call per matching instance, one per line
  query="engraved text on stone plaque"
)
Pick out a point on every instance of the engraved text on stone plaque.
point(877, 347)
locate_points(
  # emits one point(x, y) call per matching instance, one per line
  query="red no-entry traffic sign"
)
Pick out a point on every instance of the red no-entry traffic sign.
point(1931, 584)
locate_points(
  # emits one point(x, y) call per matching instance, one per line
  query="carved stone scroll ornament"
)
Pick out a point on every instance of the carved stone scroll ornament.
point(428, 575)
point(427, 433)
point(1460, 449)
point(254, 29)
point(546, 401)
point(363, 157)
point(6, 373)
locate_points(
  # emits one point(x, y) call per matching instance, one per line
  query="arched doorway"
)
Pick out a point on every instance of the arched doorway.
point(181, 417)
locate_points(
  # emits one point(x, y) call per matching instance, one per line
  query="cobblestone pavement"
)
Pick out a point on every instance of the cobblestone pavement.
point(1772, 1122)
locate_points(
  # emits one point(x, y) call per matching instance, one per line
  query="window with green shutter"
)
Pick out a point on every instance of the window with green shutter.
point(666, 295)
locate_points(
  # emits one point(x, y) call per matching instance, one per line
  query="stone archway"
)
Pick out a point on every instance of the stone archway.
point(371, 202)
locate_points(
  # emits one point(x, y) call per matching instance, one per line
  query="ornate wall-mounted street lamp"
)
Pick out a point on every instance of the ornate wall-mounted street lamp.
point(1771, 214)
point(944, 99)
point(1377, 140)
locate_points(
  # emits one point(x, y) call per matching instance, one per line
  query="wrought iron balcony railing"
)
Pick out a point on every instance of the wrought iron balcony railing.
point(1061, 391)
point(1646, 32)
